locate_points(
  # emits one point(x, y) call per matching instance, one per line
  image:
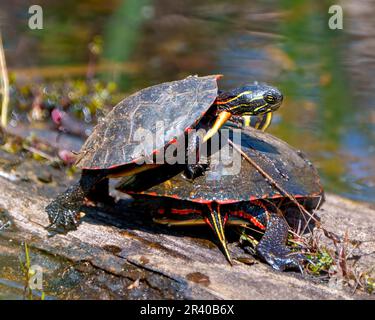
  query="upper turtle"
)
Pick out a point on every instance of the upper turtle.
point(176, 106)
point(149, 120)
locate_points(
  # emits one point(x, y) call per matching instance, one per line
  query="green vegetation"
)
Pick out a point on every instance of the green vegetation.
point(28, 274)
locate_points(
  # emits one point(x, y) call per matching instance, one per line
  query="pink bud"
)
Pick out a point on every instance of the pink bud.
point(57, 116)
point(67, 156)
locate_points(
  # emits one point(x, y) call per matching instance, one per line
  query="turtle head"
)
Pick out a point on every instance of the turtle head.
point(249, 100)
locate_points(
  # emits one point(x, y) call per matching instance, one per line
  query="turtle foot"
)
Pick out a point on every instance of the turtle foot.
point(281, 258)
point(193, 171)
point(61, 218)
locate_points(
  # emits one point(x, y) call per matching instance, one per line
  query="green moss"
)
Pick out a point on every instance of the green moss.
point(320, 262)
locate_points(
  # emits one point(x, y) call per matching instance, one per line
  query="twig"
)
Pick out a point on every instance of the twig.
point(41, 153)
point(4, 86)
point(273, 182)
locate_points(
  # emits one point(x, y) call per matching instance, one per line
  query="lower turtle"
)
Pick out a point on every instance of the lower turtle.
point(233, 192)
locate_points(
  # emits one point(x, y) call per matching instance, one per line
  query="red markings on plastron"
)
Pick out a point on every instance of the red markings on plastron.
point(249, 217)
point(185, 211)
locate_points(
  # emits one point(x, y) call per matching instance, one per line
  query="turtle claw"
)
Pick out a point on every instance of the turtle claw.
point(61, 219)
point(281, 258)
point(193, 171)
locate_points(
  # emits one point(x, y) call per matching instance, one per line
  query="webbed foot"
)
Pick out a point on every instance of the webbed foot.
point(281, 258)
point(62, 219)
point(63, 212)
point(272, 247)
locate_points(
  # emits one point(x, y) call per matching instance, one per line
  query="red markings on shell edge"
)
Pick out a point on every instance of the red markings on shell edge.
point(209, 202)
point(92, 168)
point(116, 166)
point(203, 201)
point(174, 196)
point(136, 160)
point(298, 196)
point(218, 76)
point(275, 196)
point(151, 193)
point(155, 194)
point(221, 202)
point(174, 140)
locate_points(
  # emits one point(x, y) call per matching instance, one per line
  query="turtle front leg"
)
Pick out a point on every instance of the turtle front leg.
point(194, 170)
point(272, 247)
point(63, 212)
point(261, 122)
point(100, 192)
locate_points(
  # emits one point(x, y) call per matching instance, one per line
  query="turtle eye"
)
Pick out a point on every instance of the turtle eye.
point(270, 99)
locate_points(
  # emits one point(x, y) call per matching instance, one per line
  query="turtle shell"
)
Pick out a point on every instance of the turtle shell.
point(232, 178)
point(177, 105)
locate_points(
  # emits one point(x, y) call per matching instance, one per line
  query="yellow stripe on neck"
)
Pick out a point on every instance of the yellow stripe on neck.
point(236, 97)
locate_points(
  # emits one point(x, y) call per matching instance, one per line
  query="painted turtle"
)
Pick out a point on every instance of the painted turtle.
point(227, 196)
point(114, 148)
